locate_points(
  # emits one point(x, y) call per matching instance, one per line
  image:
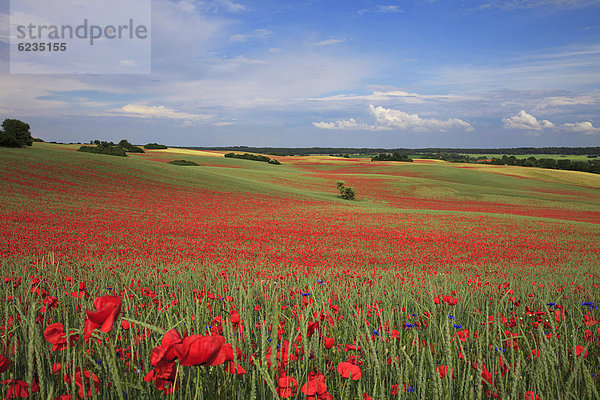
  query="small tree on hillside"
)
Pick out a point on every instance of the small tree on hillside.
point(346, 192)
point(15, 133)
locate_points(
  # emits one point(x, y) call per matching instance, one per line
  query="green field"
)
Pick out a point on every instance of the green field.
point(441, 280)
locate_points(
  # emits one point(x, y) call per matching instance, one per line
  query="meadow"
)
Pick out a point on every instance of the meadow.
point(130, 278)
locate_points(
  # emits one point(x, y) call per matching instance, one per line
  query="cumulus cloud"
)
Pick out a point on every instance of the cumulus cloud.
point(329, 42)
point(525, 121)
point(144, 111)
point(387, 118)
point(581, 127)
point(390, 119)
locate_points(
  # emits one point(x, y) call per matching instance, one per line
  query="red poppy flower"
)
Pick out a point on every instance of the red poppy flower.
point(55, 334)
point(531, 396)
point(286, 386)
point(4, 363)
point(444, 371)
point(103, 317)
point(329, 342)
point(463, 335)
point(367, 397)
point(348, 370)
point(17, 389)
point(87, 375)
point(234, 369)
point(165, 353)
point(315, 384)
point(450, 300)
point(163, 377)
point(203, 350)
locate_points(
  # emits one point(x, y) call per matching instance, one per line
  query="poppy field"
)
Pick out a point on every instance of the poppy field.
point(130, 278)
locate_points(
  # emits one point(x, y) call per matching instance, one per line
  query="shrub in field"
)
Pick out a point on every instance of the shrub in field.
point(184, 163)
point(253, 157)
point(155, 146)
point(346, 192)
point(392, 157)
point(129, 147)
point(15, 133)
point(107, 148)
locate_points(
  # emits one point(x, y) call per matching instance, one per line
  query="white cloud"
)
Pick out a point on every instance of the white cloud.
point(396, 95)
point(144, 111)
point(231, 6)
point(387, 118)
point(390, 119)
point(382, 9)
point(329, 42)
point(560, 101)
point(525, 121)
point(581, 127)
point(255, 34)
point(342, 124)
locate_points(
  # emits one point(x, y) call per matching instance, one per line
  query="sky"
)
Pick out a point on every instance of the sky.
point(316, 73)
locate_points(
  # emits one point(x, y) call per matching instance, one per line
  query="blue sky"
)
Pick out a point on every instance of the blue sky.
point(424, 73)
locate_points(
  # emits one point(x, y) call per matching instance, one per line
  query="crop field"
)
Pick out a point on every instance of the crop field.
point(129, 278)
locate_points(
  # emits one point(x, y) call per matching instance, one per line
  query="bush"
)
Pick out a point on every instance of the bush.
point(155, 146)
point(253, 157)
point(392, 157)
point(107, 148)
point(129, 147)
point(184, 163)
point(15, 133)
point(346, 192)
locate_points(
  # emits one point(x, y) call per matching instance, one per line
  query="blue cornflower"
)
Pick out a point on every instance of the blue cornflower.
point(501, 349)
point(409, 325)
point(305, 294)
point(450, 316)
point(457, 326)
point(375, 332)
point(99, 361)
point(414, 315)
point(550, 304)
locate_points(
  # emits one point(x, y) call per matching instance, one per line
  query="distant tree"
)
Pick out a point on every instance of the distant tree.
point(391, 157)
point(548, 163)
point(15, 133)
point(346, 192)
point(155, 146)
point(564, 164)
point(129, 147)
point(253, 157)
point(184, 163)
